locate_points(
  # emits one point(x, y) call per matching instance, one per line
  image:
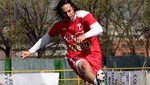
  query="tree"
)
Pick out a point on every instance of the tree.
point(93, 6)
point(33, 17)
point(122, 20)
point(6, 25)
point(146, 21)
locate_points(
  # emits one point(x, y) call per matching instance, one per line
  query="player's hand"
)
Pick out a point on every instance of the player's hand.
point(25, 54)
point(80, 39)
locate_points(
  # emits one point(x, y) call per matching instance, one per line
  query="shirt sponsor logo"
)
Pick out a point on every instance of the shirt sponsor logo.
point(79, 47)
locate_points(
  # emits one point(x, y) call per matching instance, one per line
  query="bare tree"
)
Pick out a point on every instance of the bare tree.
point(6, 25)
point(93, 6)
point(34, 17)
point(122, 22)
point(146, 21)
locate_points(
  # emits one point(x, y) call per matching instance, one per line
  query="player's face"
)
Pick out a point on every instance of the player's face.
point(68, 12)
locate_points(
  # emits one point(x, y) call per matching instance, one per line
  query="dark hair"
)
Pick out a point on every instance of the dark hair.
point(57, 9)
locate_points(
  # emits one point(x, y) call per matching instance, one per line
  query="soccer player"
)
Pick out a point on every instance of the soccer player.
point(79, 29)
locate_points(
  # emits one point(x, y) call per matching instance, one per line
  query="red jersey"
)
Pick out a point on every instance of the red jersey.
point(70, 30)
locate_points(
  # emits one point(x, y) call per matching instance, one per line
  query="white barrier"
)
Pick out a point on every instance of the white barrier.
point(6, 79)
point(2, 77)
point(138, 77)
point(30, 79)
point(126, 78)
point(117, 78)
point(148, 78)
point(112, 78)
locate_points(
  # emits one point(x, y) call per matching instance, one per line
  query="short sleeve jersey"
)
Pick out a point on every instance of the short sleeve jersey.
point(70, 30)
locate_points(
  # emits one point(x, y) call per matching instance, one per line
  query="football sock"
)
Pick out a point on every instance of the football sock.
point(95, 82)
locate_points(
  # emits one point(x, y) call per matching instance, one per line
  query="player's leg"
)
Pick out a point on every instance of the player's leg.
point(95, 63)
point(86, 71)
point(87, 83)
point(83, 69)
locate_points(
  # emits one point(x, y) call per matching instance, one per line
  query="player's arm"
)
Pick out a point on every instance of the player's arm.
point(95, 29)
point(44, 40)
point(91, 22)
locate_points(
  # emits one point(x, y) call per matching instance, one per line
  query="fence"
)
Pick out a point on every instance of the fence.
point(77, 79)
